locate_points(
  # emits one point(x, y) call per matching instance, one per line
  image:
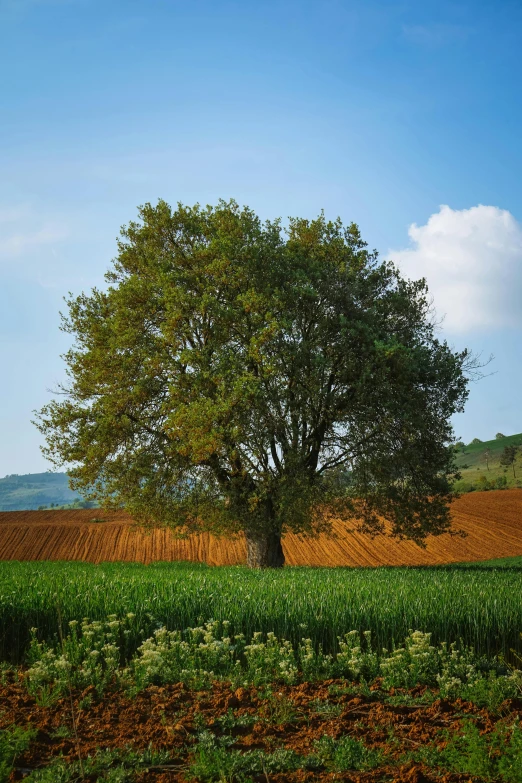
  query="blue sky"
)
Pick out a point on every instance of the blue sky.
point(404, 117)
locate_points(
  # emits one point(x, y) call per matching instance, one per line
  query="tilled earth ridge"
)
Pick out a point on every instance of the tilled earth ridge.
point(491, 521)
point(171, 717)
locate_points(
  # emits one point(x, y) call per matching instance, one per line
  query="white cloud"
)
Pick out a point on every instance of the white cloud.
point(21, 230)
point(472, 261)
point(16, 244)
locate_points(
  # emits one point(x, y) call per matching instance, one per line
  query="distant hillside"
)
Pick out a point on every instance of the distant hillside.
point(29, 492)
point(478, 466)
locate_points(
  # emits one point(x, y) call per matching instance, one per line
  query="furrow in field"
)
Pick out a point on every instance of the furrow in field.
point(492, 521)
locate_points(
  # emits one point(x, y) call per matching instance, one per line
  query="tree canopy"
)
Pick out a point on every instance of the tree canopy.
point(509, 456)
point(239, 375)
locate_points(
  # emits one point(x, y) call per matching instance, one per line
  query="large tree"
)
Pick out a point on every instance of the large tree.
point(243, 376)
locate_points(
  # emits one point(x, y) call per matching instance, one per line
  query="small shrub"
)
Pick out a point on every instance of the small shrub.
point(91, 654)
point(494, 756)
point(355, 661)
point(270, 661)
point(13, 742)
point(278, 710)
point(195, 656)
point(490, 690)
point(230, 720)
point(463, 487)
point(326, 708)
point(484, 484)
point(106, 766)
point(313, 664)
point(214, 762)
point(417, 663)
point(509, 745)
point(346, 754)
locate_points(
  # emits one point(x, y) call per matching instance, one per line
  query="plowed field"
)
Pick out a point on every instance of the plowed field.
point(492, 521)
point(170, 717)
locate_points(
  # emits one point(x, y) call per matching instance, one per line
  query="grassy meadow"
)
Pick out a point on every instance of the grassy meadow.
point(476, 603)
point(479, 473)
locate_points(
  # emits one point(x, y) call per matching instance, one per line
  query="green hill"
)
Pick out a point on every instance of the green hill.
point(33, 490)
point(479, 464)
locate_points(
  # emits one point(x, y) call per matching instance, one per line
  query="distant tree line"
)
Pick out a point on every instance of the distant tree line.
point(76, 504)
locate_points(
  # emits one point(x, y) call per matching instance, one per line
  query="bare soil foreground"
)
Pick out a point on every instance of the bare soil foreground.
point(295, 719)
point(492, 521)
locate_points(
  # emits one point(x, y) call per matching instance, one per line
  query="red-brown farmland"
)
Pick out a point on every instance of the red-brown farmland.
point(492, 521)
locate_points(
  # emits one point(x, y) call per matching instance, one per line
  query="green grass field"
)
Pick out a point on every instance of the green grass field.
point(476, 603)
point(186, 682)
point(472, 464)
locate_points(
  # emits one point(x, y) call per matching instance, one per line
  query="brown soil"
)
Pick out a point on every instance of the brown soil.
point(492, 521)
point(170, 717)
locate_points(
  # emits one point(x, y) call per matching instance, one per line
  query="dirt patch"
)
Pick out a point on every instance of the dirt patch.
point(291, 717)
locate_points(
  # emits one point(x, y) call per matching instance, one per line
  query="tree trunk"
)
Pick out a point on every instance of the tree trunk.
point(264, 549)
